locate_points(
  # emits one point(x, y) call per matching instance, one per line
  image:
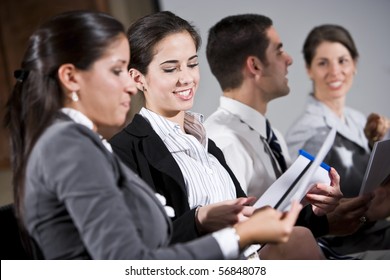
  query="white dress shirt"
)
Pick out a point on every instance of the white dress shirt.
point(238, 130)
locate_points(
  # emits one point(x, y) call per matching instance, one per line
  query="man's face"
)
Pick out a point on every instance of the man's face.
point(274, 80)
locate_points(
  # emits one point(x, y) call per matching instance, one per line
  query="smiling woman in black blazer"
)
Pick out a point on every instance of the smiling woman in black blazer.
point(167, 145)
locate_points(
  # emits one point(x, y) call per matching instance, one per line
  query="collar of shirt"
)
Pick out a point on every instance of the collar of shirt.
point(206, 180)
point(78, 117)
point(246, 114)
point(82, 119)
point(350, 128)
point(193, 125)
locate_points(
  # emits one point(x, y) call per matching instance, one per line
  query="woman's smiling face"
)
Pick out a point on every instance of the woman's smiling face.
point(172, 76)
point(332, 70)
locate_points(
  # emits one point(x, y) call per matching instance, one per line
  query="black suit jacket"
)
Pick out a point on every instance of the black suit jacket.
point(139, 146)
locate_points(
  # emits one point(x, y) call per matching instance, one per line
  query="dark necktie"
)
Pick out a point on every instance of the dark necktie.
point(273, 143)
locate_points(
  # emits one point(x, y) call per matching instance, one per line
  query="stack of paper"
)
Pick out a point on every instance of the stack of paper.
point(299, 178)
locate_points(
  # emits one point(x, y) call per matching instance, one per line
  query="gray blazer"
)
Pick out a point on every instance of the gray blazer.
point(81, 202)
point(349, 153)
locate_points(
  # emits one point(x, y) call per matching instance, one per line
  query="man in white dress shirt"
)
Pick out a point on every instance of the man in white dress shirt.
point(246, 56)
point(239, 124)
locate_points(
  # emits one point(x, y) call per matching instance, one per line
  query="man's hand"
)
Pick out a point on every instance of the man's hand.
point(324, 198)
point(380, 206)
point(346, 218)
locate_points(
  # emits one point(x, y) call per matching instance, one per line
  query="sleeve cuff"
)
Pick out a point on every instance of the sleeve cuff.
point(227, 240)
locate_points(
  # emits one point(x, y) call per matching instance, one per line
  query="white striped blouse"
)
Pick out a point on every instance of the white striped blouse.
point(206, 180)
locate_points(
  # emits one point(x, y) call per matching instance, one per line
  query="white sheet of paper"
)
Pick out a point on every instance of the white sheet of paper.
point(304, 187)
point(278, 196)
point(378, 168)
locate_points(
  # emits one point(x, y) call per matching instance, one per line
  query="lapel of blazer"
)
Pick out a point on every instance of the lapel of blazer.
point(215, 151)
point(158, 156)
point(331, 120)
point(122, 171)
point(155, 151)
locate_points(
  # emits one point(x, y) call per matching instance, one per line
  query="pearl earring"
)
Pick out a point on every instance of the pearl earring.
point(74, 96)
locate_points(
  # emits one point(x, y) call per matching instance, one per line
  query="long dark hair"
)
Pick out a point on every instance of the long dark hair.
point(76, 37)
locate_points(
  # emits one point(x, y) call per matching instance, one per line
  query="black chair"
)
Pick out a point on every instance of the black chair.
point(11, 246)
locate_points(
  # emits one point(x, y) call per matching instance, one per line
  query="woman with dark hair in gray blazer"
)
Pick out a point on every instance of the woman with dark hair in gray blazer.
point(331, 58)
point(73, 196)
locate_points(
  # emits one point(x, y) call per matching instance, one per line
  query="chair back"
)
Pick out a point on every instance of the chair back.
point(11, 245)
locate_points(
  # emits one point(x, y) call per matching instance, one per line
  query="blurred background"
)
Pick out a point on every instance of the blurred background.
point(367, 21)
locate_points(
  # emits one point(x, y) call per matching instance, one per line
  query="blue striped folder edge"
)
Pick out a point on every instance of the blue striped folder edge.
point(311, 158)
